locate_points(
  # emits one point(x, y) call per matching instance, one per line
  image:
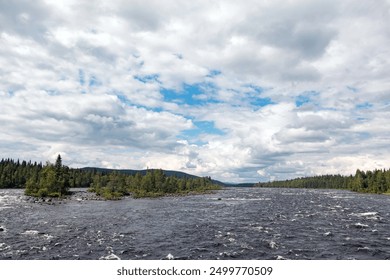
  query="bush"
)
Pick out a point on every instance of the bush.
point(42, 192)
point(107, 194)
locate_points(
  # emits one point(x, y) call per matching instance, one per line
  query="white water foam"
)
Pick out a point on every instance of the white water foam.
point(4, 246)
point(48, 236)
point(363, 248)
point(246, 246)
point(367, 215)
point(360, 225)
point(31, 232)
point(246, 199)
point(111, 256)
point(6, 200)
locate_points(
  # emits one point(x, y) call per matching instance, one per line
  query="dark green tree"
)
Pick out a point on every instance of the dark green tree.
point(52, 181)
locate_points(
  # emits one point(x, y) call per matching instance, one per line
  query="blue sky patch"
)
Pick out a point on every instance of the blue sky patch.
point(147, 78)
point(81, 77)
point(208, 127)
point(261, 102)
point(305, 97)
point(190, 94)
point(254, 92)
point(122, 98)
point(214, 73)
point(94, 82)
point(202, 127)
point(300, 100)
point(255, 88)
point(363, 106)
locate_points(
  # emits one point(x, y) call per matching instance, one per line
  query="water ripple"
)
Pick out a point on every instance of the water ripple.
point(230, 224)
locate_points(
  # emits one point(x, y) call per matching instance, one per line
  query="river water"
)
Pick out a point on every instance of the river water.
point(233, 223)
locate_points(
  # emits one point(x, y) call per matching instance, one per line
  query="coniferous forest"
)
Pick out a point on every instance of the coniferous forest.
point(56, 180)
point(377, 181)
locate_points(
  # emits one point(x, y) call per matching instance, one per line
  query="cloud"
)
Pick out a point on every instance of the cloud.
point(24, 18)
point(87, 120)
point(239, 91)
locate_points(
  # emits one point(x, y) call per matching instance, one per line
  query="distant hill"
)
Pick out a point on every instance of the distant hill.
point(170, 173)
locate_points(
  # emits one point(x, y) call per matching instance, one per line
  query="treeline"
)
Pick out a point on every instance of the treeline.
point(15, 173)
point(377, 181)
point(55, 180)
point(317, 182)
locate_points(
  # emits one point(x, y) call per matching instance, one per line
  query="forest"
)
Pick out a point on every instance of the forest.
point(56, 180)
point(377, 181)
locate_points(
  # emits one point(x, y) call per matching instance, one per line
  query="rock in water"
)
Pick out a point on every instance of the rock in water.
point(360, 225)
point(273, 245)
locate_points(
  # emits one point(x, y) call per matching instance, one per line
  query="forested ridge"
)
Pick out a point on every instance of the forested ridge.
point(55, 180)
point(377, 181)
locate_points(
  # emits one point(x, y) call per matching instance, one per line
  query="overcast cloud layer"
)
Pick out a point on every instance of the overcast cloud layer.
point(243, 91)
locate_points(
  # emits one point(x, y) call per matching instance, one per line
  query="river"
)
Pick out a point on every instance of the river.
point(233, 223)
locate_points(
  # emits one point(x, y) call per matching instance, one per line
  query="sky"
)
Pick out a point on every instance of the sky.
point(242, 91)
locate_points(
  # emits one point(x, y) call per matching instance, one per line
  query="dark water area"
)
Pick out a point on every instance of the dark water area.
point(234, 223)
